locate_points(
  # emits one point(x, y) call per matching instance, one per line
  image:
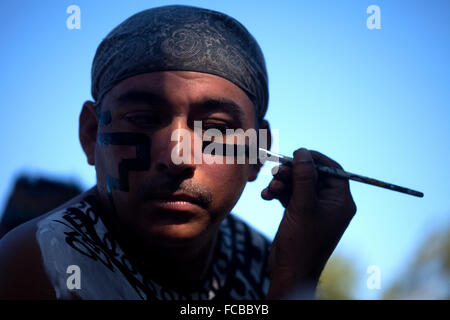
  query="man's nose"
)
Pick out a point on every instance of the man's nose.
point(173, 148)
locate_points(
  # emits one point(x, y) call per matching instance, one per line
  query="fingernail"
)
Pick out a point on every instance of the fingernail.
point(275, 170)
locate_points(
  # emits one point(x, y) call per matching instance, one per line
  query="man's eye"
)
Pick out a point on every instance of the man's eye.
point(143, 120)
point(222, 127)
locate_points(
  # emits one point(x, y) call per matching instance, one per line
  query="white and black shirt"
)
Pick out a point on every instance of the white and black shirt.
point(78, 236)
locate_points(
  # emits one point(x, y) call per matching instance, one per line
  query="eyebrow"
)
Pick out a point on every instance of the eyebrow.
point(141, 96)
point(208, 104)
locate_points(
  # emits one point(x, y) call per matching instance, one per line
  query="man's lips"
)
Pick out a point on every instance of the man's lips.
point(175, 202)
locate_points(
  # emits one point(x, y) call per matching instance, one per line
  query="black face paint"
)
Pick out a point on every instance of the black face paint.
point(224, 149)
point(104, 118)
point(141, 163)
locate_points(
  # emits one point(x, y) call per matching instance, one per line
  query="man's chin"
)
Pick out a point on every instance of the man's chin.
point(174, 233)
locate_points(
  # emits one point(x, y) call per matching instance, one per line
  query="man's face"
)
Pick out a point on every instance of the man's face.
point(156, 199)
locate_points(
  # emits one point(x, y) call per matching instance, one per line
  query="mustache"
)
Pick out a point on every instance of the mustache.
point(164, 184)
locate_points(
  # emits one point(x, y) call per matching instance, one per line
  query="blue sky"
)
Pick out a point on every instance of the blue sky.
point(376, 101)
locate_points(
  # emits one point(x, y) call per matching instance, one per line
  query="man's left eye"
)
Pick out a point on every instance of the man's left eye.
point(222, 127)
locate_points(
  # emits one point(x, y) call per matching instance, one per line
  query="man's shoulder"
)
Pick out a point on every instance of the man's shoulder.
point(69, 217)
point(27, 233)
point(22, 271)
point(22, 274)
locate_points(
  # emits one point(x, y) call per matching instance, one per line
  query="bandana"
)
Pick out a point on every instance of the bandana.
point(183, 38)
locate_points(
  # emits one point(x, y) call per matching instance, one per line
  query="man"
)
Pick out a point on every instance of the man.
point(155, 228)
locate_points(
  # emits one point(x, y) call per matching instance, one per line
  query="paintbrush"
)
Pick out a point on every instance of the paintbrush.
point(272, 156)
point(266, 155)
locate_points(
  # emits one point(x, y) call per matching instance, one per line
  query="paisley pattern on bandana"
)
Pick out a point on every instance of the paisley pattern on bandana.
point(182, 38)
point(78, 236)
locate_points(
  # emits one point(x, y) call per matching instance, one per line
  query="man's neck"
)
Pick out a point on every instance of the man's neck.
point(180, 268)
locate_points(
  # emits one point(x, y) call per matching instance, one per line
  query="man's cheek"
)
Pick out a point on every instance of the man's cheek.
point(108, 159)
point(227, 180)
point(125, 152)
point(234, 173)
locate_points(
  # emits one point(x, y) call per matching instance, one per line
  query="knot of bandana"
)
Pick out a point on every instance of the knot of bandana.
point(182, 38)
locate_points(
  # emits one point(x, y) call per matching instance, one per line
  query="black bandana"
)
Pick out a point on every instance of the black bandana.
point(182, 38)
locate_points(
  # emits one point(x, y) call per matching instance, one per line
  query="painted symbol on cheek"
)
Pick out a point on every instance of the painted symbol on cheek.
point(142, 161)
point(104, 118)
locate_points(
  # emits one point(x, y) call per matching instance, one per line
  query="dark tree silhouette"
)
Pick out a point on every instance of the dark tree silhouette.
point(32, 197)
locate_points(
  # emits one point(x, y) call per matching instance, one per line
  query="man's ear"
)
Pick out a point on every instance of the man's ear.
point(88, 125)
point(255, 168)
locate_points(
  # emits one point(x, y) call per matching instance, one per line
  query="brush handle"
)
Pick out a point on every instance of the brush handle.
point(274, 157)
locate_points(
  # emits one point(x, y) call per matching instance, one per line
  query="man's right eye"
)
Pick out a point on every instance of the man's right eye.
point(143, 119)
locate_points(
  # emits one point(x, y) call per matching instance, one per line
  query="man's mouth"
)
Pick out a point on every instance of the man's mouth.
point(175, 201)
